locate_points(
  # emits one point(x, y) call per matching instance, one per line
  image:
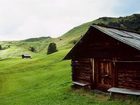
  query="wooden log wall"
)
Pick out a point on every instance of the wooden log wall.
point(129, 75)
point(82, 70)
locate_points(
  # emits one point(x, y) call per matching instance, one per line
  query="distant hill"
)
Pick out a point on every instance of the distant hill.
point(37, 39)
point(131, 23)
point(69, 39)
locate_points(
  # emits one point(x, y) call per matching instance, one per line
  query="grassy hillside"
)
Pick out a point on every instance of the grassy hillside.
point(46, 80)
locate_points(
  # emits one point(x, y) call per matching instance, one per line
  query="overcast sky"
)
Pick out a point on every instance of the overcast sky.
point(21, 19)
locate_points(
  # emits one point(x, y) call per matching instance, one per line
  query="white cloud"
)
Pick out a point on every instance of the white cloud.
point(20, 19)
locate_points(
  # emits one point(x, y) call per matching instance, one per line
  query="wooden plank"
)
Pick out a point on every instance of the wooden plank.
point(124, 91)
point(127, 61)
point(81, 70)
point(80, 84)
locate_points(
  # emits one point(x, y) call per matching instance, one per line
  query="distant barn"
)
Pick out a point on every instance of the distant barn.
point(107, 59)
point(26, 56)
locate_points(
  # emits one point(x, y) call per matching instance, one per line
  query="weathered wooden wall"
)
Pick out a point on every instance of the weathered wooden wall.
point(128, 75)
point(100, 46)
point(82, 70)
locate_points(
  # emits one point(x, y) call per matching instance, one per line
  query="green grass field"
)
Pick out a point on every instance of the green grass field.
point(45, 80)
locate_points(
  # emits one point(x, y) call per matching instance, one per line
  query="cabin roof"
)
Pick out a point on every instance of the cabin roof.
point(127, 37)
point(130, 38)
point(26, 54)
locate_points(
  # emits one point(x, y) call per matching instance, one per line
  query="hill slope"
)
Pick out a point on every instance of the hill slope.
point(129, 22)
point(45, 80)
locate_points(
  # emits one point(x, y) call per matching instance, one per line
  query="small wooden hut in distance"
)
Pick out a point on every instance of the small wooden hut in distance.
point(25, 56)
point(106, 57)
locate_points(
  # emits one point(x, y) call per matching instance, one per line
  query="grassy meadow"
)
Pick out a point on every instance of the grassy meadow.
point(45, 80)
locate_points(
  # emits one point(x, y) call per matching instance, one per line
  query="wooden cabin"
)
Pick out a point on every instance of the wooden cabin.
point(106, 57)
point(26, 56)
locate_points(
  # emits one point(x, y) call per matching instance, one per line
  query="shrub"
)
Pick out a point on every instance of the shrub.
point(0, 47)
point(32, 49)
point(74, 42)
point(51, 48)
